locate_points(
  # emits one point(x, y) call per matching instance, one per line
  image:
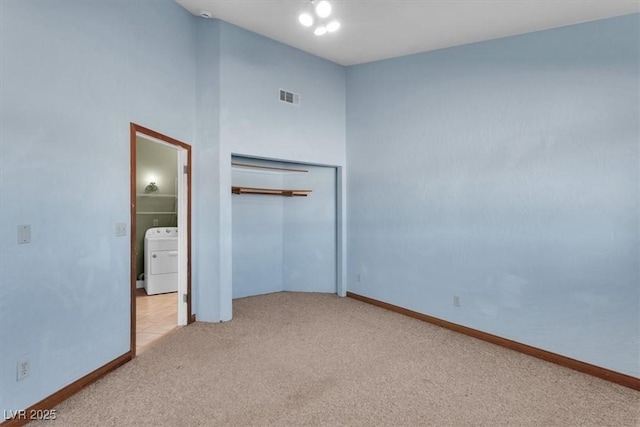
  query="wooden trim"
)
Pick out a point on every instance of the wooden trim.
point(248, 166)
point(190, 316)
point(63, 394)
point(134, 131)
point(132, 256)
point(567, 362)
point(160, 136)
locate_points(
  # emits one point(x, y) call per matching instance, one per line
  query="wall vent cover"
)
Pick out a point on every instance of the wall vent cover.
point(290, 97)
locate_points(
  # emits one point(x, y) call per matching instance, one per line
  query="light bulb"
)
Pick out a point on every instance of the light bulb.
point(306, 19)
point(323, 9)
point(320, 31)
point(333, 26)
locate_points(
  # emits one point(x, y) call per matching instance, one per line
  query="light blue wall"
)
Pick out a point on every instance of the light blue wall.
point(205, 233)
point(257, 245)
point(73, 75)
point(309, 243)
point(254, 123)
point(258, 235)
point(506, 173)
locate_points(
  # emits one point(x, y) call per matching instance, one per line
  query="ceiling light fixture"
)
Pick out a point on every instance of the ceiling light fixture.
point(323, 9)
point(333, 26)
point(306, 19)
point(317, 13)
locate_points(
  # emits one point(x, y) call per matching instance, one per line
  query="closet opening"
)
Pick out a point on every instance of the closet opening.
point(284, 227)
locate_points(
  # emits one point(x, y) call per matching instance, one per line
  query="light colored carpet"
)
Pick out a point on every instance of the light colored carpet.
point(293, 359)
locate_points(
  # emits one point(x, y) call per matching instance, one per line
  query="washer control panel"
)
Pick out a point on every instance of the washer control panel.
point(161, 232)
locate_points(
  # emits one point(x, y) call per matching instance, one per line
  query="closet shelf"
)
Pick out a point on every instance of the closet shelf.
point(155, 213)
point(258, 168)
point(270, 191)
point(155, 195)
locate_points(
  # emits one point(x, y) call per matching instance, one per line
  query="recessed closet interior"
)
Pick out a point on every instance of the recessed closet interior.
point(284, 227)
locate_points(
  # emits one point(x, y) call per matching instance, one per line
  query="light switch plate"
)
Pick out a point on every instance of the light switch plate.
point(24, 234)
point(121, 229)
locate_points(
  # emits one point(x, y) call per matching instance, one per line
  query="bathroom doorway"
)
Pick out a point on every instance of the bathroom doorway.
point(160, 236)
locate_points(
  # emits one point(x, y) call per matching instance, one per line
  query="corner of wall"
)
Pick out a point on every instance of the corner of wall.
point(206, 258)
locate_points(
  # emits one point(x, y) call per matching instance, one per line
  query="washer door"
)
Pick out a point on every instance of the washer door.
point(164, 262)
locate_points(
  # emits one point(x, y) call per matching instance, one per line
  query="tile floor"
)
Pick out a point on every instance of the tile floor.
point(156, 316)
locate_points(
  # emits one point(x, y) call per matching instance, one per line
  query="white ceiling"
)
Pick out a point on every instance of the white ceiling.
point(380, 29)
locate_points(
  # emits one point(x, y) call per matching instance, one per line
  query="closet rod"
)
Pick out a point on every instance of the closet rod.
point(270, 191)
point(245, 165)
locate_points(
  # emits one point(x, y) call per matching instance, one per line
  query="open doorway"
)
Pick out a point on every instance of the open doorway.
point(160, 236)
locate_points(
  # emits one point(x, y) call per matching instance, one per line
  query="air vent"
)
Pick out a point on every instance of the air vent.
point(290, 97)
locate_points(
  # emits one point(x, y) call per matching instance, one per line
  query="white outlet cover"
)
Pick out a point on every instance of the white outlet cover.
point(24, 234)
point(121, 229)
point(23, 369)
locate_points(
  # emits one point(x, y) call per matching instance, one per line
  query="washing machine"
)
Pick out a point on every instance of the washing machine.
point(161, 260)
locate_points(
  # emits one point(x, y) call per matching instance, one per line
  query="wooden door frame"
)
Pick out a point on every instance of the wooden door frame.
point(134, 131)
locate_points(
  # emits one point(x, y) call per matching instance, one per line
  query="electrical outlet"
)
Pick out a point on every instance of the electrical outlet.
point(23, 369)
point(456, 301)
point(359, 278)
point(155, 222)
